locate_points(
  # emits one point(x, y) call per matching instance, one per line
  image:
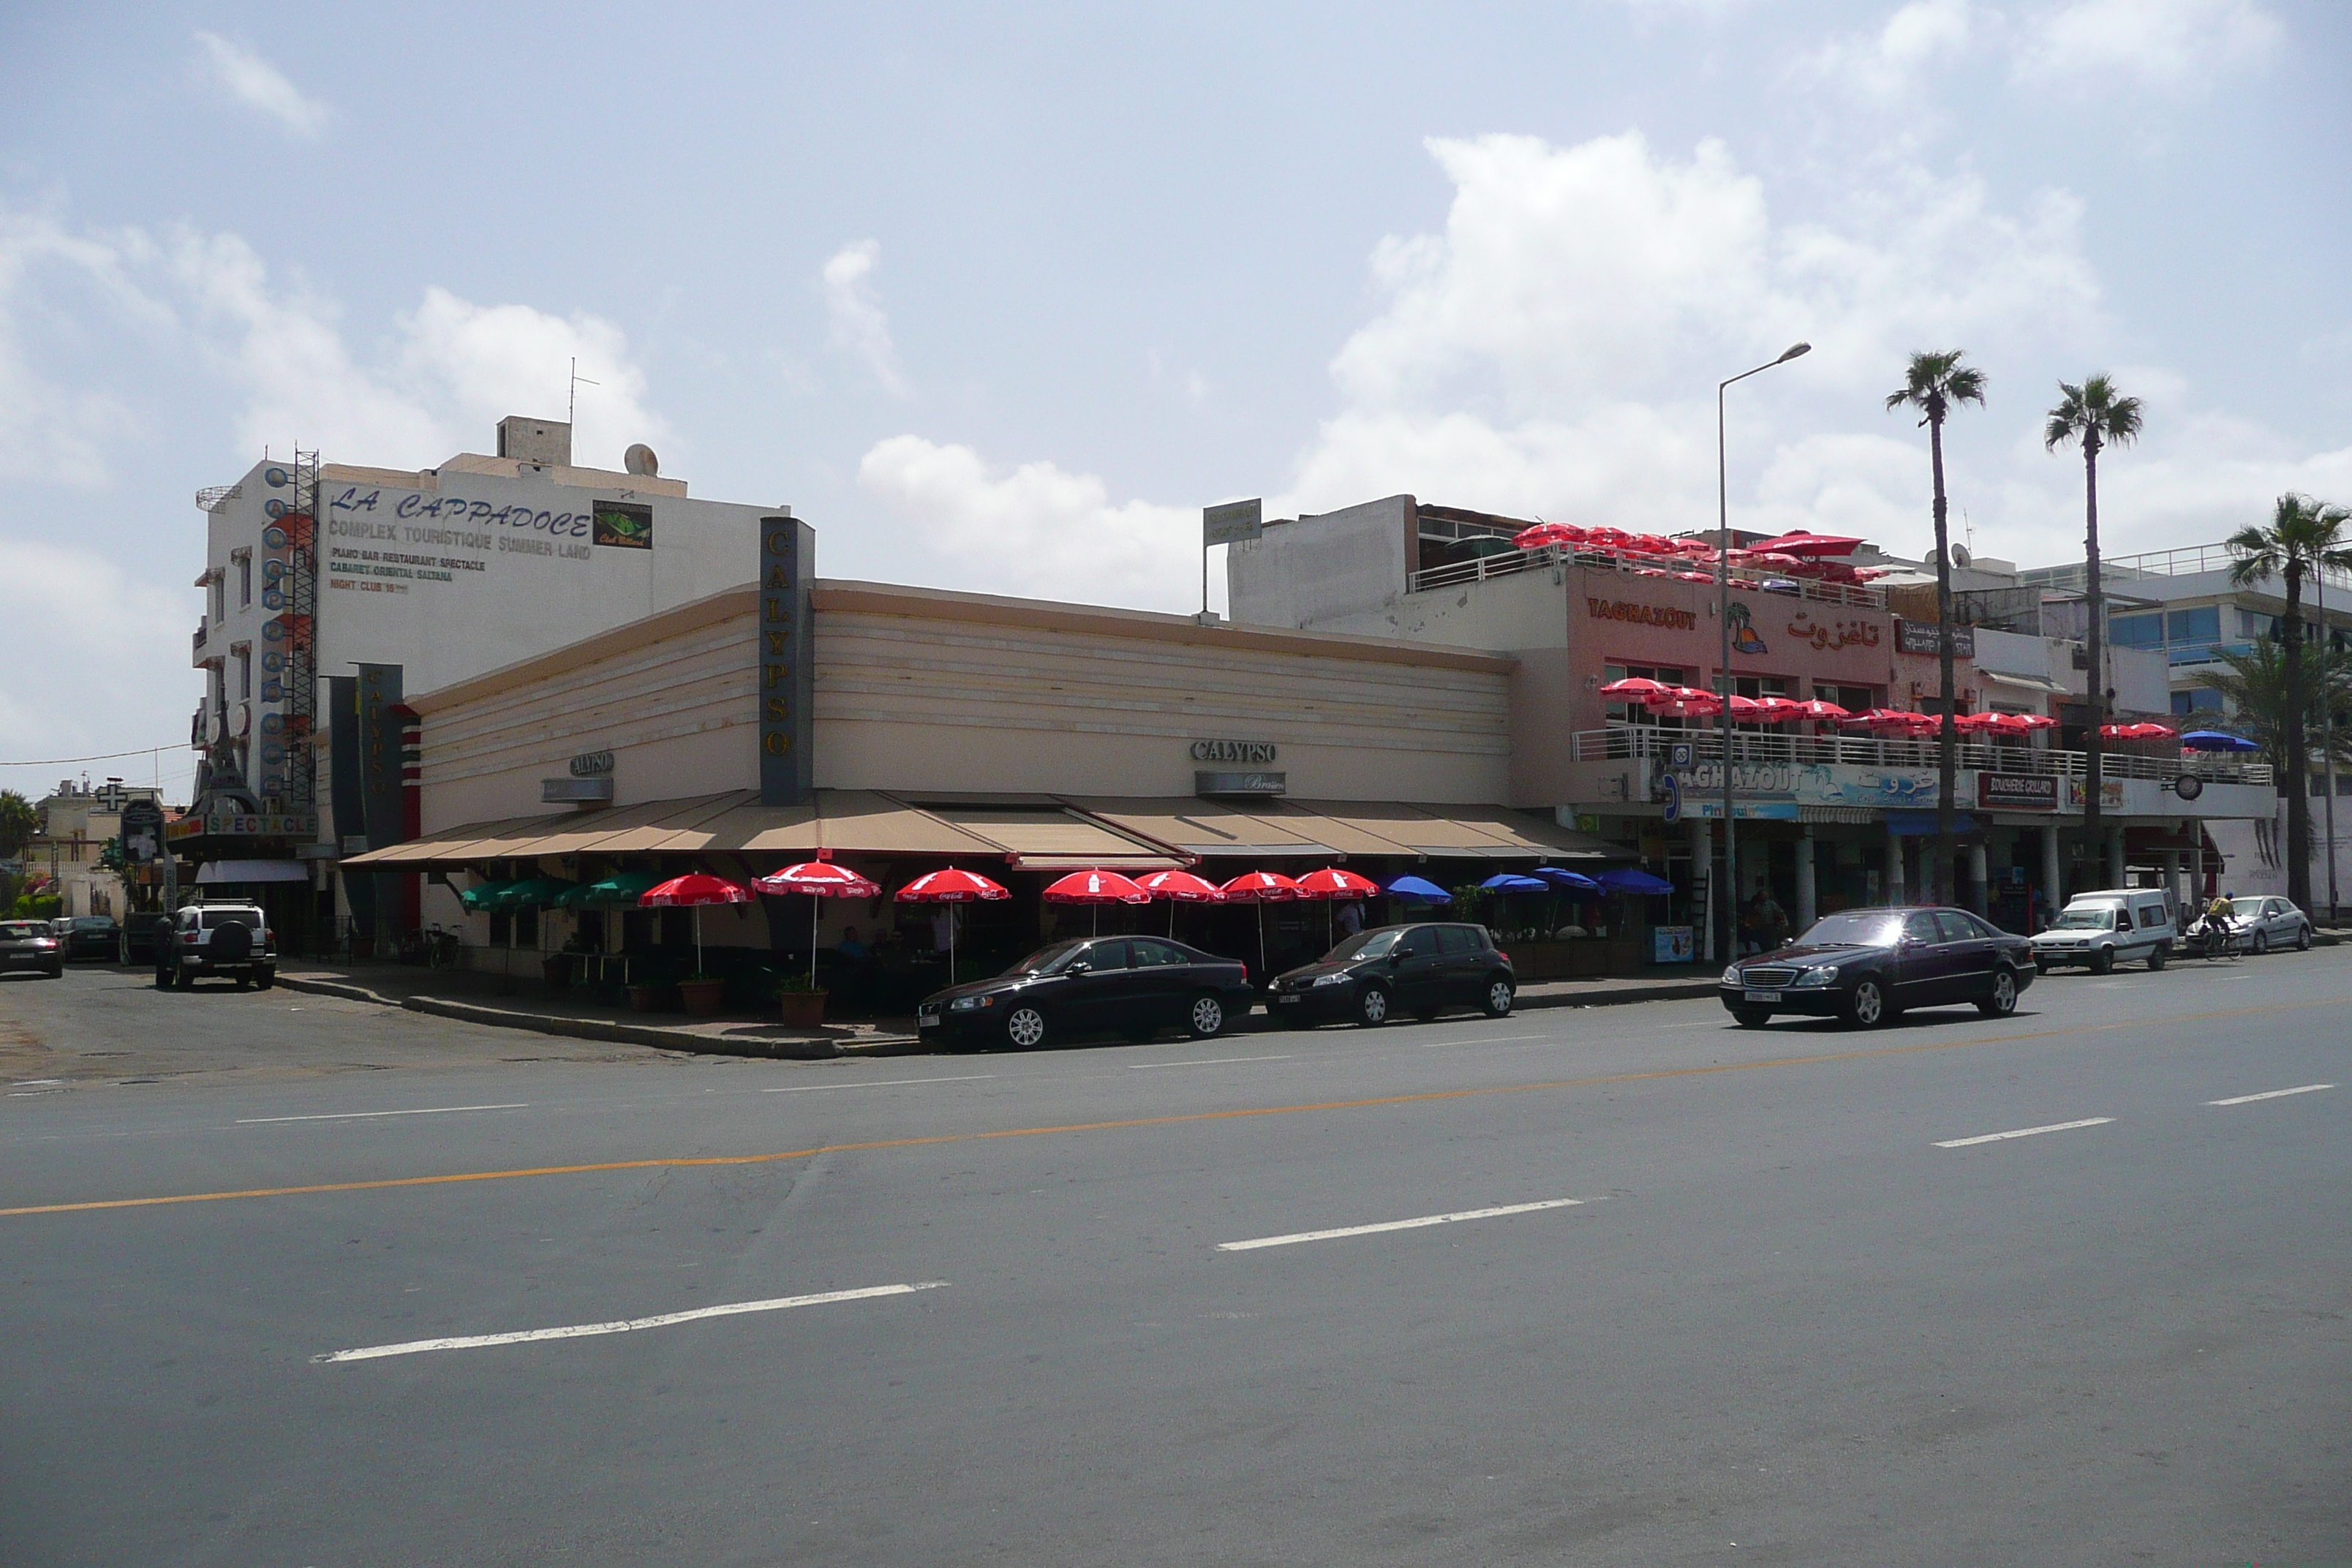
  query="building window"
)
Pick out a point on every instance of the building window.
point(2202, 623)
point(220, 596)
point(2137, 631)
point(244, 654)
point(2254, 623)
point(244, 578)
point(1853, 699)
point(2197, 700)
point(1634, 712)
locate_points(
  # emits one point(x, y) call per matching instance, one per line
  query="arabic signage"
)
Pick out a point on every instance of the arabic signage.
point(1918, 637)
point(1640, 615)
point(1825, 637)
point(2017, 792)
point(787, 689)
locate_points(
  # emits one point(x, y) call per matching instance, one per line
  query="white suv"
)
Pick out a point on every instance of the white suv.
point(2104, 929)
point(232, 939)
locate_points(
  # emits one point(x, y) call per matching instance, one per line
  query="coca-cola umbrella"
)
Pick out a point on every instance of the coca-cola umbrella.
point(1638, 688)
point(1821, 711)
point(1095, 889)
point(694, 890)
point(1804, 544)
point(1684, 702)
point(1333, 884)
point(1544, 533)
point(1779, 710)
point(1260, 888)
point(821, 880)
point(1180, 888)
point(950, 886)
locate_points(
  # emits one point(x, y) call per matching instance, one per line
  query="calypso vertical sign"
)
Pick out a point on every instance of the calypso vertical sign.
point(787, 684)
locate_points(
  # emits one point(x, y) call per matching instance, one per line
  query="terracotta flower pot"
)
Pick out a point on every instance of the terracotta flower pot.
point(642, 999)
point(803, 1009)
point(703, 997)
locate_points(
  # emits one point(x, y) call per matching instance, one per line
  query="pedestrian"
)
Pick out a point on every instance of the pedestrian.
point(1351, 919)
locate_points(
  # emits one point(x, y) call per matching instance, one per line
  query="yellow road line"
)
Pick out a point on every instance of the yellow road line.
point(687, 1162)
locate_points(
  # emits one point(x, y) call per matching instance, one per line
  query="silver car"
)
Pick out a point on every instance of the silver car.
point(2268, 922)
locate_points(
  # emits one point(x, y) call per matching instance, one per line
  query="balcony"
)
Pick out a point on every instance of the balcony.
point(1625, 742)
point(204, 627)
point(1668, 566)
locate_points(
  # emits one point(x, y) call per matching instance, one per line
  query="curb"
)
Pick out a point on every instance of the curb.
point(1666, 991)
point(582, 1028)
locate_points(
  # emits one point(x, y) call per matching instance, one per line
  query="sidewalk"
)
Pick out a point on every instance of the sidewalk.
point(479, 999)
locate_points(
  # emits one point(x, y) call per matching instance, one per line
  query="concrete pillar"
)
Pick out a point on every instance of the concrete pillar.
point(1806, 913)
point(1893, 869)
point(1980, 873)
point(1702, 846)
point(2054, 887)
point(2117, 877)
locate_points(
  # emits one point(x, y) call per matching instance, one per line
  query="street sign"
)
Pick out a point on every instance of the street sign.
point(143, 831)
point(1232, 523)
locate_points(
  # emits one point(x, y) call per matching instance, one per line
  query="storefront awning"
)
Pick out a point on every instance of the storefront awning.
point(1329, 829)
point(231, 873)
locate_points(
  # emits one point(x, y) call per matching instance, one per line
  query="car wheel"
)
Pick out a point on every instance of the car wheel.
point(56, 971)
point(266, 979)
point(1500, 995)
point(1207, 1017)
point(1024, 1028)
point(2262, 943)
point(2102, 961)
point(1751, 1017)
point(2004, 1000)
point(2158, 956)
point(1866, 1008)
point(1371, 1008)
point(2302, 939)
point(244, 983)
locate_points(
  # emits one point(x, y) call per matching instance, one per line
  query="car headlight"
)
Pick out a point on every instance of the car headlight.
point(1821, 976)
point(1340, 979)
point(963, 1003)
point(1731, 975)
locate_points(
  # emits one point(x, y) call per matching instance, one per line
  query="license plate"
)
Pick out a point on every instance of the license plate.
point(1759, 995)
point(928, 1021)
point(1287, 998)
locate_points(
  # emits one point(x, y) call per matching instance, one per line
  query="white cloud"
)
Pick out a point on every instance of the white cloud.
point(123, 639)
point(859, 324)
point(487, 361)
point(1886, 65)
point(51, 277)
point(2165, 43)
point(1036, 529)
point(254, 82)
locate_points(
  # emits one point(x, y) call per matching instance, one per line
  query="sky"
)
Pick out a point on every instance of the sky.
point(998, 298)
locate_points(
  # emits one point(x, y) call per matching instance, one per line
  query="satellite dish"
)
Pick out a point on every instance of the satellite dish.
point(1960, 557)
point(640, 459)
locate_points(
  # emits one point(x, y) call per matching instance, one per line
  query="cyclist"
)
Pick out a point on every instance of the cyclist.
point(2219, 917)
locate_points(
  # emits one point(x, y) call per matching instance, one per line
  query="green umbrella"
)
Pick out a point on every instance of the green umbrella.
point(620, 887)
point(530, 893)
point(478, 899)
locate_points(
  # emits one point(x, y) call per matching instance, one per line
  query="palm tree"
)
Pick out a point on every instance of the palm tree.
point(2302, 538)
point(2252, 687)
point(1934, 384)
point(2094, 416)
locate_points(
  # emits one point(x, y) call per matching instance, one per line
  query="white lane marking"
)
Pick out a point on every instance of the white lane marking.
point(878, 1083)
point(2272, 1094)
point(661, 1320)
point(366, 1115)
point(1396, 1225)
point(1207, 1062)
point(2023, 1132)
point(1482, 1040)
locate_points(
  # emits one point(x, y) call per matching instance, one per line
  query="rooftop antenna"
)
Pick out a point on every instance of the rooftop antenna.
point(1970, 529)
point(572, 402)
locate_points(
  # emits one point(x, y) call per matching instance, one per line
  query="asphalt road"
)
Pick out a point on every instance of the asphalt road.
point(1765, 1314)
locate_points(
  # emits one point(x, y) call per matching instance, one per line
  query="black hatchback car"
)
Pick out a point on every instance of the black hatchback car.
point(1416, 969)
point(1132, 986)
point(1866, 967)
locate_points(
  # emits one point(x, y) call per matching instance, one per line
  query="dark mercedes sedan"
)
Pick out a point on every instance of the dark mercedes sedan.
point(1131, 985)
point(1866, 967)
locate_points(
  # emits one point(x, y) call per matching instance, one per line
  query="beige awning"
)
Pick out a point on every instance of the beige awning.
point(1056, 838)
point(1325, 830)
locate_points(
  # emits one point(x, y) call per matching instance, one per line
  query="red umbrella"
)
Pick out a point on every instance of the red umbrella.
point(1544, 533)
point(1179, 887)
point(1821, 711)
point(1097, 889)
point(2036, 721)
point(1779, 710)
point(1911, 724)
point(1638, 687)
point(1803, 543)
point(1651, 544)
point(695, 890)
point(1260, 888)
point(1615, 537)
point(2135, 732)
point(821, 880)
point(950, 886)
point(1684, 702)
point(1331, 884)
point(1745, 707)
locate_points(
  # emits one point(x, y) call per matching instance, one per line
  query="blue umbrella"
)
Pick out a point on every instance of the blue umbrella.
point(1414, 888)
point(1569, 881)
point(1512, 882)
point(1629, 879)
point(2217, 741)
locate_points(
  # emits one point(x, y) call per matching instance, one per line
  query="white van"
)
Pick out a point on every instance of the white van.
point(2116, 925)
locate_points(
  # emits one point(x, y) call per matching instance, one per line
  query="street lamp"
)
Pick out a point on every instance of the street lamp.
point(1729, 886)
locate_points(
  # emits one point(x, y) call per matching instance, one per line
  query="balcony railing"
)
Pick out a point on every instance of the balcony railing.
point(2189, 561)
point(1625, 742)
point(197, 650)
point(1666, 567)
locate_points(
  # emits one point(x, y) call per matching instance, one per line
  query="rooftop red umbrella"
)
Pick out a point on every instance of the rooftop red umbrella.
point(1779, 710)
point(1544, 533)
point(1745, 707)
point(1095, 889)
point(821, 880)
point(1912, 724)
point(1637, 687)
point(694, 890)
point(1614, 537)
point(2037, 722)
point(950, 886)
point(1260, 888)
point(1684, 702)
point(1804, 544)
point(1651, 544)
point(1821, 711)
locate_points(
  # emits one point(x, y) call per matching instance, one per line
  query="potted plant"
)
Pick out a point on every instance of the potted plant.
point(703, 995)
point(802, 1003)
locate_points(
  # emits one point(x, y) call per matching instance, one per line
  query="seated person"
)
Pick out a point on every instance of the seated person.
point(849, 946)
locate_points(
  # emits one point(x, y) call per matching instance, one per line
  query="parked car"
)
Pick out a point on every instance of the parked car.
point(28, 945)
point(1416, 969)
point(2101, 929)
point(231, 940)
point(61, 927)
point(92, 936)
point(1134, 985)
point(2268, 922)
point(142, 931)
point(1866, 967)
